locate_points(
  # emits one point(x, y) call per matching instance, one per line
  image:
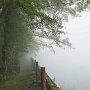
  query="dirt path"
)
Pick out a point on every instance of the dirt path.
point(22, 81)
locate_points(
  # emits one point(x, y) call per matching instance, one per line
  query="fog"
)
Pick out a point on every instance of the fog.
point(71, 67)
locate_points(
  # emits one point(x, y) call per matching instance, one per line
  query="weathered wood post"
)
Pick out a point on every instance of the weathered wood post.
point(33, 64)
point(36, 71)
point(43, 79)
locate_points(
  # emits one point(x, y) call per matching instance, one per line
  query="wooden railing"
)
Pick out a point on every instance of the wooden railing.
point(42, 78)
point(50, 84)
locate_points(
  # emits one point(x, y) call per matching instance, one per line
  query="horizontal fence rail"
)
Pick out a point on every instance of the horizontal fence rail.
point(50, 84)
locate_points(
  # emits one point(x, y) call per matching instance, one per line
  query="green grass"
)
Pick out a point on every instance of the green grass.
point(22, 81)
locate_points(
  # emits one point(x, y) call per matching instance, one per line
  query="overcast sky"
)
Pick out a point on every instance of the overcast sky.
point(71, 67)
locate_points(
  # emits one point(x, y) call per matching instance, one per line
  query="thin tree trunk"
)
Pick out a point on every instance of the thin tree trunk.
point(4, 47)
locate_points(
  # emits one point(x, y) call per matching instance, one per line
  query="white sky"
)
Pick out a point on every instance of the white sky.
point(71, 67)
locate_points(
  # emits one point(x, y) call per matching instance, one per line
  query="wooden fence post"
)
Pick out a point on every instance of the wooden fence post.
point(33, 64)
point(36, 71)
point(43, 79)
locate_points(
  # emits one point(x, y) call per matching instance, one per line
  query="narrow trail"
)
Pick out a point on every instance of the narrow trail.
point(22, 81)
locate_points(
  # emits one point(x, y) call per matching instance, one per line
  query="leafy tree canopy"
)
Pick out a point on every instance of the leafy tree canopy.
point(42, 18)
point(27, 24)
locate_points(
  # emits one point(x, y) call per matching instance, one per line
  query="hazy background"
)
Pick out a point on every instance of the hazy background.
point(71, 67)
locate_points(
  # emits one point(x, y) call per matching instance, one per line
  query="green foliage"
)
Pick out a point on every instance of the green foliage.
point(17, 37)
point(45, 20)
point(27, 24)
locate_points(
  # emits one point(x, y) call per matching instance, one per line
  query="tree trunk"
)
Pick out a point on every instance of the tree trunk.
point(4, 67)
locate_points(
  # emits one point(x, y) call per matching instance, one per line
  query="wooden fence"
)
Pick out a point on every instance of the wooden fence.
point(42, 78)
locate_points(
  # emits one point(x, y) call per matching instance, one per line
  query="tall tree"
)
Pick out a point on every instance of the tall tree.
point(27, 23)
point(16, 36)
